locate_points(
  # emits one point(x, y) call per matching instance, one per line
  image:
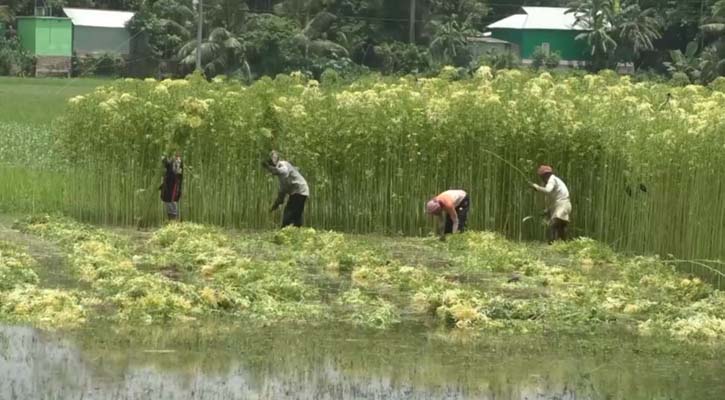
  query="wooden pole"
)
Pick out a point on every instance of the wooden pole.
point(199, 35)
point(411, 36)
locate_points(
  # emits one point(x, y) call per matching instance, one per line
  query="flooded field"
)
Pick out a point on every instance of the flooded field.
point(329, 363)
point(192, 312)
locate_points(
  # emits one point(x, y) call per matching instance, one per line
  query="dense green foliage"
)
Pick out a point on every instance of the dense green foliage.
point(254, 38)
point(13, 60)
point(188, 272)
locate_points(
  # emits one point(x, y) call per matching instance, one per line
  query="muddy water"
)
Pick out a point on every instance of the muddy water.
point(328, 363)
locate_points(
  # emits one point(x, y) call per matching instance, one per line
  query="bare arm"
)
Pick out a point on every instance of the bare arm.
point(449, 210)
point(548, 188)
point(454, 217)
point(282, 171)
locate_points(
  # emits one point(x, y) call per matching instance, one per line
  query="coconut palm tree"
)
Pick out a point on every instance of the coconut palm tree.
point(221, 53)
point(302, 10)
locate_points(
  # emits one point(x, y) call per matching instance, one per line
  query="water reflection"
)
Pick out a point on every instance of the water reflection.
point(331, 365)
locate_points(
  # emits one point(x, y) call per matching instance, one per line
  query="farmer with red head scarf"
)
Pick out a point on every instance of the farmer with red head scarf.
point(171, 185)
point(452, 208)
point(559, 206)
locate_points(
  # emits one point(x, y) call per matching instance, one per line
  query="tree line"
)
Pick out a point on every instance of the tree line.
point(252, 38)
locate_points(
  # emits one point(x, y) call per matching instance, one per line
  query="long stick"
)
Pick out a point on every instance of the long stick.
point(697, 262)
point(523, 174)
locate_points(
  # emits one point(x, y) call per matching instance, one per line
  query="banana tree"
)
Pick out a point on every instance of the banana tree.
point(450, 38)
point(597, 18)
point(687, 62)
point(639, 29)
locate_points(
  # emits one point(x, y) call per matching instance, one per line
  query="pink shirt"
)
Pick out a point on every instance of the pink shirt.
point(449, 200)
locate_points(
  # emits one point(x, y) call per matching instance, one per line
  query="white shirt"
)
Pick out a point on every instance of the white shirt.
point(555, 188)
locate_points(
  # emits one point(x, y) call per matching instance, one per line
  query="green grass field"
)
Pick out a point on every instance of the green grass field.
point(39, 100)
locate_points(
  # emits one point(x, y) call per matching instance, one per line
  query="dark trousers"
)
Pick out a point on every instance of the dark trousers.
point(293, 210)
point(462, 211)
point(558, 230)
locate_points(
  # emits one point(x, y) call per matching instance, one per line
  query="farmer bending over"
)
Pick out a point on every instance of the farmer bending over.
point(171, 185)
point(291, 183)
point(559, 206)
point(454, 203)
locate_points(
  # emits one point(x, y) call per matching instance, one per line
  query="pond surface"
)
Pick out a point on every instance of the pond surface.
point(327, 363)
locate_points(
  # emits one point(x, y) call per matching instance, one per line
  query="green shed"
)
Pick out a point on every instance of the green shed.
point(46, 36)
point(551, 28)
point(50, 40)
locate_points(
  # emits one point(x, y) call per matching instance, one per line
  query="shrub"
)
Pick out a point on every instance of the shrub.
point(108, 65)
point(553, 60)
point(496, 60)
point(13, 60)
point(680, 79)
point(401, 58)
point(543, 58)
point(718, 84)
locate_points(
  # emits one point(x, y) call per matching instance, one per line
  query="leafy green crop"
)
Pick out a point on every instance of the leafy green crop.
point(643, 168)
point(476, 282)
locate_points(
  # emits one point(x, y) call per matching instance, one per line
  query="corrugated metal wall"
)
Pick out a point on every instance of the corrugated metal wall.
point(53, 37)
point(562, 41)
point(95, 40)
point(26, 34)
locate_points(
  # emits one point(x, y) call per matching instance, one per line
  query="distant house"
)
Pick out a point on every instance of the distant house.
point(551, 28)
point(99, 31)
point(54, 40)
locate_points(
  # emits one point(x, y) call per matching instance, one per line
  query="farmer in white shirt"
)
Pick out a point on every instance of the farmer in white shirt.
point(292, 184)
point(559, 206)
